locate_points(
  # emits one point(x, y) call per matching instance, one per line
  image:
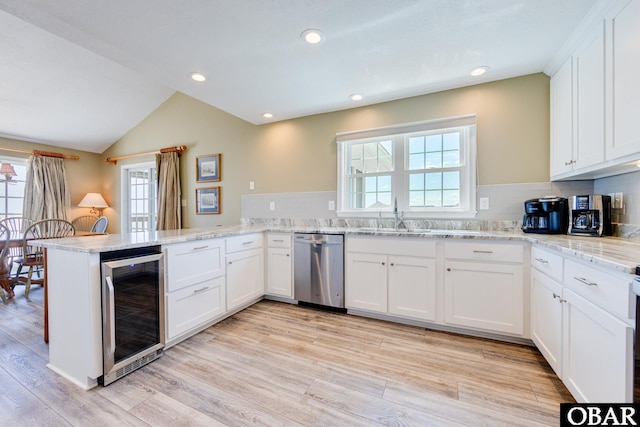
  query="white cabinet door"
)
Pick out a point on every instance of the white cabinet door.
point(624, 32)
point(484, 296)
point(597, 353)
point(546, 318)
point(412, 287)
point(562, 120)
point(194, 306)
point(245, 277)
point(279, 272)
point(589, 76)
point(366, 282)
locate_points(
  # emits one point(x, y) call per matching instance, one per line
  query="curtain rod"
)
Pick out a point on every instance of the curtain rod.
point(178, 149)
point(41, 153)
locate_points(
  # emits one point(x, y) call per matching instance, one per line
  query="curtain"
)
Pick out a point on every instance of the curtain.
point(45, 194)
point(169, 209)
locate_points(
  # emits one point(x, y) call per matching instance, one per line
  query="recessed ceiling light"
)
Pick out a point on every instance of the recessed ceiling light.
point(199, 77)
point(267, 115)
point(311, 36)
point(478, 71)
point(356, 97)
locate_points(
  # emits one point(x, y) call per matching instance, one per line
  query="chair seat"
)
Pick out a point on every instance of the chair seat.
point(32, 261)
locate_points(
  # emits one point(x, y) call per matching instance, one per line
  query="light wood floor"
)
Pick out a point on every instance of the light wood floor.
point(276, 364)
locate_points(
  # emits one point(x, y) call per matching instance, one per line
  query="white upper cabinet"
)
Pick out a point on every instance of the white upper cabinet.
point(595, 99)
point(623, 60)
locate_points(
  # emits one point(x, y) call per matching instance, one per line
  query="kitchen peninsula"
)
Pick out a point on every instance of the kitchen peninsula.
point(229, 275)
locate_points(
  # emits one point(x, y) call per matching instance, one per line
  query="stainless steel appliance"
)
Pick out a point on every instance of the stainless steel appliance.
point(548, 215)
point(318, 269)
point(590, 215)
point(636, 365)
point(132, 310)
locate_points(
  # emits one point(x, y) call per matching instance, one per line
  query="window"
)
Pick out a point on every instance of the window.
point(427, 169)
point(12, 190)
point(139, 195)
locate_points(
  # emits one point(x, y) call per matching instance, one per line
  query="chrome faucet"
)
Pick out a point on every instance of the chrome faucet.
point(398, 216)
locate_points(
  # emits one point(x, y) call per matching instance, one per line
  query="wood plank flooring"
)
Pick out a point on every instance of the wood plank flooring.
point(276, 364)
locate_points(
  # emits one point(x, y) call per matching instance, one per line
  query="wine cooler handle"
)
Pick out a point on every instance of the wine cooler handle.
point(111, 349)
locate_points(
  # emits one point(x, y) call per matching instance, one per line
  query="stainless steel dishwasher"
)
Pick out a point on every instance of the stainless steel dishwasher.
point(318, 270)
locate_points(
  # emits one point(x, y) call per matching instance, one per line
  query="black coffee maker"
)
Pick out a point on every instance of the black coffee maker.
point(548, 215)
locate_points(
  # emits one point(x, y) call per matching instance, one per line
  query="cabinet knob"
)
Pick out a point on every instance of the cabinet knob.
point(448, 268)
point(555, 295)
point(392, 264)
point(287, 254)
point(383, 263)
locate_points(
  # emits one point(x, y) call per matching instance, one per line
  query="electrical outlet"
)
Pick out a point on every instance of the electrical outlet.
point(484, 203)
point(332, 205)
point(251, 185)
point(618, 201)
point(272, 206)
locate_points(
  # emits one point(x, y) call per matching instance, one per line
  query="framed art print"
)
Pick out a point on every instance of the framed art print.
point(208, 168)
point(208, 200)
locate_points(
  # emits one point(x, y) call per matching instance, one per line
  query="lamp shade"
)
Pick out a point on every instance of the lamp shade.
point(7, 170)
point(93, 200)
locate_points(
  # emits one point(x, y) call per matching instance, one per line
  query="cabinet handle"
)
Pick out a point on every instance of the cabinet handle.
point(542, 261)
point(562, 300)
point(200, 247)
point(288, 255)
point(585, 281)
point(200, 290)
point(230, 262)
point(570, 162)
point(278, 240)
point(392, 264)
point(383, 263)
point(247, 243)
point(555, 295)
point(482, 252)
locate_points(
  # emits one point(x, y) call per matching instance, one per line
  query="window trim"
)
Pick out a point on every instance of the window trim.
point(400, 135)
point(125, 195)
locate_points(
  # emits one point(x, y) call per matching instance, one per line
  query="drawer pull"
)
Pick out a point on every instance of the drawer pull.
point(482, 252)
point(199, 248)
point(542, 261)
point(585, 281)
point(383, 263)
point(555, 295)
point(200, 290)
point(288, 255)
point(278, 240)
point(247, 243)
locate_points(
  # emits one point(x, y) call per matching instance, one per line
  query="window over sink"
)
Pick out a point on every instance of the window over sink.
point(425, 169)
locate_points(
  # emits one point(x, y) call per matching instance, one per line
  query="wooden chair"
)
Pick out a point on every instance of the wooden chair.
point(5, 271)
point(84, 222)
point(16, 227)
point(100, 225)
point(34, 255)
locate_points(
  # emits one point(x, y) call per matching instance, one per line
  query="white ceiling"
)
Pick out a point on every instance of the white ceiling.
point(80, 74)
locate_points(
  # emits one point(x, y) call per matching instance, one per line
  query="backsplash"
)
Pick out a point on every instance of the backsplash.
point(506, 207)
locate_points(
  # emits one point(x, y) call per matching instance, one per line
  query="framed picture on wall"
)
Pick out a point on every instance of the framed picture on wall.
point(208, 200)
point(208, 168)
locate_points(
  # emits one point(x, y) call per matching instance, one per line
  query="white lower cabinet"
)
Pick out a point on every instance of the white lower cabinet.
point(391, 276)
point(597, 353)
point(481, 290)
point(581, 319)
point(245, 269)
point(279, 265)
point(193, 306)
point(546, 318)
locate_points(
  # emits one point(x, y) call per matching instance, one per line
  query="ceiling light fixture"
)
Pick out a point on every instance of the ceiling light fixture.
point(478, 71)
point(199, 77)
point(311, 36)
point(267, 115)
point(356, 97)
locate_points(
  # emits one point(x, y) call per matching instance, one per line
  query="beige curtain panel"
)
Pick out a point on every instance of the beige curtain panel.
point(169, 195)
point(46, 195)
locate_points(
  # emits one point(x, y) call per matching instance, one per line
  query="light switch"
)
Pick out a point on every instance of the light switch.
point(251, 185)
point(332, 205)
point(272, 206)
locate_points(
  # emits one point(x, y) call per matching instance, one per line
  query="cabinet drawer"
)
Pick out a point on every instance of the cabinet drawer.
point(484, 251)
point(244, 242)
point(193, 262)
point(547, 262)
point(279, 240)
point(603, 288)
point(408, 246)
point(191, 307)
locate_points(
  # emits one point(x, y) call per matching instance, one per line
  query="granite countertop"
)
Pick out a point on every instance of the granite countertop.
point(611, 252)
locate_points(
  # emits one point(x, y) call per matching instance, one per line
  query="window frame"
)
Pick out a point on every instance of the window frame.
point(400, 135)
point(126, 196)
point(4, 199)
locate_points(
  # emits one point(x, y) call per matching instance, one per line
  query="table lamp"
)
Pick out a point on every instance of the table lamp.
point(95, 201)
